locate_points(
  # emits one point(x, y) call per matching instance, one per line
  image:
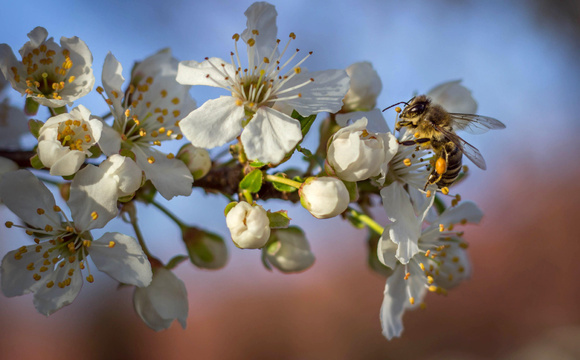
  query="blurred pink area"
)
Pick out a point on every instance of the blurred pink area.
point(523, 293)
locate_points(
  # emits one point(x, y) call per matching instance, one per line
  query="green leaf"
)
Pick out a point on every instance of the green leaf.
point(279, 219)
point(305, 151)
point(36, 163)
point(34, 127)
point(128, 153)
point(60, 110)
point(305, 122)
point(176, 260)
point(253, 181)
point(257, 164)
point(229, 207)
point(31, 106)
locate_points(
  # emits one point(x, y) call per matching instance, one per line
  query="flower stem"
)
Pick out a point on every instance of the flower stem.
point(367, 220)
point(285, 181)
point(133, 217)
point(248, 196)
point(169, 214)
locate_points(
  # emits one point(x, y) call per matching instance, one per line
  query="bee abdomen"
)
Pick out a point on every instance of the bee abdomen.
point(454, 161)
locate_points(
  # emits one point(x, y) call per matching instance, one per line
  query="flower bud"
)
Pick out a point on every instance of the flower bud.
point(356, 154)
point(288, 250)
point(249, 225)
point(197, 160)
point(64, 140)
point(206, 250)
point(324, 197)
point(365, 87)
point(126, 173)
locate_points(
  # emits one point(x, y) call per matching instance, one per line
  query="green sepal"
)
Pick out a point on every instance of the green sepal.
point(69, 177)
point(127, 198)
point(305, 122)
point(176, 260)
point(229, 207)
point(95, 152)
point(34, 127)
point(279, 219)
point(264, 259)
point(355, 221)
point(60, 110)
point(252, 181)
point(128, 153)
point(352, 190)
point(31, 106)
point(304, 151)
point(36, 163)
point(257, 164)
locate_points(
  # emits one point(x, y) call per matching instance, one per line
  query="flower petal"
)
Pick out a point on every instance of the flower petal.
point(387, 250)
point(270, 135)
point(454, 97)
point(393, 305)
point(48, 300)
point(376, 120)
point(92, 194)
point(23, 194)
point(211, 72)
point(16, 278)
point(113, 80)
point(125, 261)
point(261, 16)
point(171, 177)
point(215, 123)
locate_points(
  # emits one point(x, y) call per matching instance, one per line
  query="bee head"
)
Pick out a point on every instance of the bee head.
point(413, 112)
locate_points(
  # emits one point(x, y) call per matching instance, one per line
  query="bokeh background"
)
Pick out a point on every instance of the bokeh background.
point(519, 58)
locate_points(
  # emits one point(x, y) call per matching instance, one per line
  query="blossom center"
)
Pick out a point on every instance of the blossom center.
point(74, 134)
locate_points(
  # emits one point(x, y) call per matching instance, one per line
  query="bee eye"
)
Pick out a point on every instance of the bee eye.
point(417, 109)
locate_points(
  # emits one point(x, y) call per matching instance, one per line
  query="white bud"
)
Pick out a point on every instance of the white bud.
point(324, 197)
point(355, 154)
point(365, 87)
point(126, 173)
point(197, 160)
point(249, 225)
point(454, 97)
point(64, 140)
point(289, 251)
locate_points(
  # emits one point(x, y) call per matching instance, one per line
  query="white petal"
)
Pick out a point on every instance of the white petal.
point(49, 300)
point(68, 164)
point(171, 177)
point(261, 16)
point(162, 301)
point(113, 80)
point(325, 93)
point(270, 135)
point(421, 203)
point(454, 97)
point(13, 124)
point(376, 121)
point(23, 194)
point(37, 36)
point(393, 305)
point(215, 123)
point(387, 250)
point(406, 228)
point(92, 192)
point(110, 141)
point(211, 72)
point(466, 210)
point(125, 261)
point(16, 278)
point(125, 172)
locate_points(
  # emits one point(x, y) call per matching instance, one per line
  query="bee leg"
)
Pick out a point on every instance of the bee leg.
point(414, 142)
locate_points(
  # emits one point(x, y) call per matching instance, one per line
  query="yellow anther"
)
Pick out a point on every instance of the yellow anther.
point(422, 266)
point(48, 228)
point(169, 132)
point(71, 272)
point(398, 109)
point(433, 288)
point(251, 42)
point(416, 135)
point(454, 203)
point(94, 215)
point(37, 240)
point(149, 80)
point(160, 119)
point(17, 256)
point(71, 247)
point(465, 168)
point(100, 90)
point(445, 190)
point(29, 232)
point(450, 228)
point(441, 227)
point(412, 300)
point(157, 143)
point(266, 60)
point(175, 101)
point(47, 262)
point(43, 269)
point(150, 159)
point(292, 35)
point(154, 134)
point(430, 280)
point(72, 259)
point(428, 193)
point(90, 278)
point(87, 243)
point(111, 244)
point(82, 266)
point(463, 245)
point(176, 113)
point(236, 37)
point(407, 162)
point(36, 277)
point(71, 79)
point(163, 93)
point(297, 70)
point(170, 156)
point(407, 276)
point(56, 208)
point(455, 259)
point(9, 224)
point(30, 266)
point(179, 137)
point(38, 248)
point(69, 229)
point(427, 253)
point(109, 101)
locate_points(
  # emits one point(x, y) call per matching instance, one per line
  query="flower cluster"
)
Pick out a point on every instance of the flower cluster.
point(106, 167)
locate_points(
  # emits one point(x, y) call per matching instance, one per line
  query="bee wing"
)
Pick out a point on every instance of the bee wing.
point(475, 124)
point(466, 148)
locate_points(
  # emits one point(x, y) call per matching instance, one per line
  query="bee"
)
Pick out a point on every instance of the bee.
point(435, 128)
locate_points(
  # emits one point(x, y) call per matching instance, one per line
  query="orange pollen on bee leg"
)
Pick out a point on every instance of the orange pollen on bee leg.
point(445, 190)
point(428, 193)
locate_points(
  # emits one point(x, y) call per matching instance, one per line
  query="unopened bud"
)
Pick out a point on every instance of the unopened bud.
point(197, 160)
point(249, 225)
point(365, 87)
point(206, 250)
point(288, 250)
point(324, 197)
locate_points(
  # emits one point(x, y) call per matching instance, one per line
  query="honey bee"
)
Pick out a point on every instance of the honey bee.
point(435, 128)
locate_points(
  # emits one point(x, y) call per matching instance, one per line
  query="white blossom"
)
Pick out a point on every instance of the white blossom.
point(163, 301)
point(146, 115)
point(64, 140)
point(125, 172)
point(249, 225)
point(324, 197)
point(355, 154)
point(263, 95)
point(52, 268)
point(365, 87)
point(440, 265)
point(50, 74)
point(196, 159)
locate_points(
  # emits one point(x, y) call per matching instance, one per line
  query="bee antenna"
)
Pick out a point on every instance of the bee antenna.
point(402, 102)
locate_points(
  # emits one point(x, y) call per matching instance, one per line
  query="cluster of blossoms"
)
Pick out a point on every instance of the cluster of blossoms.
point(105, 165)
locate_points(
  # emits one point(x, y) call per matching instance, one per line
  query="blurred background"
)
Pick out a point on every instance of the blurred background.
point(519, 58)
